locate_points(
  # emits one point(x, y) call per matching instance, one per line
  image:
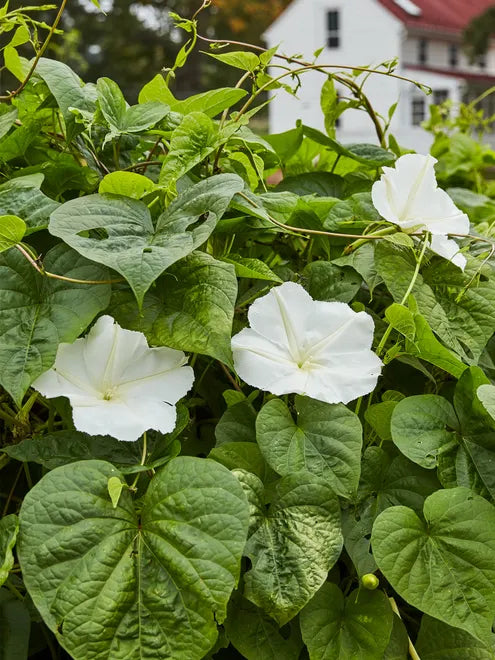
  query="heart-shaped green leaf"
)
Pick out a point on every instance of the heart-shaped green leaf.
point(38, 313)
point(112, 583)
point(352, 628)
point(191, 308)
point(325, 440)
point(293, 545)
point(131, 245)
point(443, 565)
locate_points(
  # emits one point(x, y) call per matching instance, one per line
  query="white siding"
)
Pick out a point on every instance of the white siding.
point(369, 35)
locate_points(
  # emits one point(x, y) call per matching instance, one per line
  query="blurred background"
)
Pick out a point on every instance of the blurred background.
point(131, 40)
point(444, 45)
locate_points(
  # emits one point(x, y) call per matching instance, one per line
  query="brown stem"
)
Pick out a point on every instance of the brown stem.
point(230, 377)
point(294, 60)
point(39, 54)
point(46, 273)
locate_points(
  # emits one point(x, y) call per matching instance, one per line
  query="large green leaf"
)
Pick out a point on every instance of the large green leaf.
point(68, 90)
point(293, 546)
point(192, 141)
point(132, 245)
point(22, 197)
point(421, 425)
point(385, 481)
point(15, 624)
point(462, 442)
point(191, 308)
point(112, 583)
point(363, 262)
point(439, 641)
point(9, 526)
point(325, 440)
point(352, 628)
point(254, 634)
point(462, 318)
point(367, 154)
point(69, 446)
point(445, 564)
point(237, 424)
point(38, 313)
point(326, 281)
point(355, 211)
point(210, 103)
point(471, 311)
point(124, 119)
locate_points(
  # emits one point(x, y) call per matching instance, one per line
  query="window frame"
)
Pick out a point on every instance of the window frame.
point(333, 27)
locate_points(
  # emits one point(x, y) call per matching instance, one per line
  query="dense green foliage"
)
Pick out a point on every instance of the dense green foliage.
point(272, 527)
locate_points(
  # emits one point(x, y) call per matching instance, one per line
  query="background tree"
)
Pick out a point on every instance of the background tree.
point(131, 40)
point(478, 33)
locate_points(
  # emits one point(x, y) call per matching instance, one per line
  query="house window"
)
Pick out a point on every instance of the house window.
point(453, 55)
point(422, 51)
point(333, 32)
point(418, 111)
point(440, 96)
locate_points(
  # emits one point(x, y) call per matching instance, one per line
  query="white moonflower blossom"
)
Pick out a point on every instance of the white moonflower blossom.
point(299, 345)
point(116, 384)
point(408, 196)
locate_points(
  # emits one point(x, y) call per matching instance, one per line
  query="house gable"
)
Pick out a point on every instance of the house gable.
point(445, 15)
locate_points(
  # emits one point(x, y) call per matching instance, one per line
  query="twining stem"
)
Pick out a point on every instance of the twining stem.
point(46, 273)
point(39, 54)
point(132, 487)
point(11, 492)
point(318, 232)
point(145, 449)
point(412, 651)
point(232, 380)
point(419, 261)
point(294, 60)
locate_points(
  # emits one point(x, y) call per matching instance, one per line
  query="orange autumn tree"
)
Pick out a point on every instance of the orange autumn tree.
point(246, 20)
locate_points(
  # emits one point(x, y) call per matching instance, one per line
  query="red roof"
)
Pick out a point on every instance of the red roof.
point(445, 15)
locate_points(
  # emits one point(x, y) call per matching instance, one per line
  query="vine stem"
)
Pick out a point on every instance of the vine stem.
point(412, 651)
point(39, 54)
point(145, 449)
point(419, 261)
point(318, 232)
point(132, 487)
point(232, 381)
point(230, 42)
point(46, 273)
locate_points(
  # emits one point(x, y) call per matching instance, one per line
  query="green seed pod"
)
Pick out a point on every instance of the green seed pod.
point(370, 581)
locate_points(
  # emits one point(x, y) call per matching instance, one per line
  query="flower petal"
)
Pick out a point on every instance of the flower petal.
point(108, 349)
point(409, 196)
point(403, 193)
point(68, 376)
point(337, 380)
point(159, 376)
point(281, 315)
point(334, 362)
point(448, 248)
point(258, 361)
point(124, 420)
point(337, 329)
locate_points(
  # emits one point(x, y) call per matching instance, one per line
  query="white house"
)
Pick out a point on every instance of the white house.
point(424, 34)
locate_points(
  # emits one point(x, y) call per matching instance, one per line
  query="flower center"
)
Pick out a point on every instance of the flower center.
point(109, 393)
